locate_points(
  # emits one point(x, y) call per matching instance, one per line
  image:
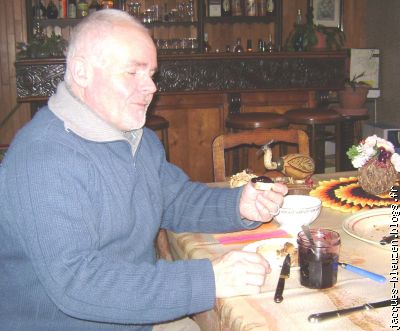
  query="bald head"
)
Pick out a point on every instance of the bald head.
point(111, 61)
point(94, 36)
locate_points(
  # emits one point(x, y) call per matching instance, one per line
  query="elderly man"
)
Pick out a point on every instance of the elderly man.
point(84, 190)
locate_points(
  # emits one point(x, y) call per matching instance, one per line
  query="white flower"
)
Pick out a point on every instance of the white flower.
point(374, 141)
point(49, 31)
point(57, 30)
point(369, 148)
point(395, 159)
point(359, 161)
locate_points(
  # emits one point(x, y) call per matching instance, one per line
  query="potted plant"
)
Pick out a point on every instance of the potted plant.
point(308, 37)
point(354, 94)
point(42, 45)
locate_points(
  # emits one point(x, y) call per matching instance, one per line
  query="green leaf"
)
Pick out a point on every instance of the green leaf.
point(352, 152)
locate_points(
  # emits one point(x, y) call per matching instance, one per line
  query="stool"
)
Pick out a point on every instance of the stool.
point(316, 120)
point(251, 121)
point(155, 123)
point(351, 131)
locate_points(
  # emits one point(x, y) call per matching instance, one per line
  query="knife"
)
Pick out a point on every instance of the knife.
point(363, 272)
point(285, 273)
point(320, 317)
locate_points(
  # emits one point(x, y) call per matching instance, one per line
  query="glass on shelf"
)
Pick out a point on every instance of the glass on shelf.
point(238, 48)
point(270, 47)
point(133, 8)
point(177, 44)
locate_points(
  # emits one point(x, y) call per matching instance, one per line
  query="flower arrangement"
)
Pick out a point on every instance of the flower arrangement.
point(374, 149)
point(377, 164)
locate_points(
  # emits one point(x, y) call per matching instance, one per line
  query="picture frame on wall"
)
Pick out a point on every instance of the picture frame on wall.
point(328, 13)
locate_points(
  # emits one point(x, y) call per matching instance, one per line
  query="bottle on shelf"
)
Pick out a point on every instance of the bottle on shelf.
point(299, 17)
point(249, 47)
point(51, 10)
point(261, 45)
point(94, 6)
point(82, 9)
point(236, 8)
point(121, 5)
point(262, 8)
point(39, 10)
point(214, 8)
point(251, 8)
point(107, 4)
point(207, 46)
point(226, 8)
point(238, 47)
point(270, 47)
point(62, 8)
point(71, 9)
point(270, 6)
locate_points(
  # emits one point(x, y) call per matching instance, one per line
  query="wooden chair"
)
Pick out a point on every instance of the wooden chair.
point(254, 138)
point(156, 123)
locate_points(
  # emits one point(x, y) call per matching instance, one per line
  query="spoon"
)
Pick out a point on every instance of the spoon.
point(307, 232)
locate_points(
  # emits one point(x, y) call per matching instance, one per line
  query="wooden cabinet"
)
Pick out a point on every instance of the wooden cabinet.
point(178, 29)
point(197, 91)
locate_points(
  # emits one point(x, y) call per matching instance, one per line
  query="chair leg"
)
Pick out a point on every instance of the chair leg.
point(164, 138)
point(339, 148)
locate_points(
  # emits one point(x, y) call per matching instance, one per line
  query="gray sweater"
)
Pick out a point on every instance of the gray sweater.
point(78, 219)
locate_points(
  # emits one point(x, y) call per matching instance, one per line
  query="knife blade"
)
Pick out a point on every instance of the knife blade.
point(388, 239)
point(285, 273)
point(320, 317)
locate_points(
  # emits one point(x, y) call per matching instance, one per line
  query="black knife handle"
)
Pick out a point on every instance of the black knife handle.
point(279, 290)
point(388, 239)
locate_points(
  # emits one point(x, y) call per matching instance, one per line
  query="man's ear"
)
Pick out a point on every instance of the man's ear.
point(80, 71)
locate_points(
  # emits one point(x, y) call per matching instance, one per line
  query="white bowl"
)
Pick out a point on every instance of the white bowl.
point(298, 210)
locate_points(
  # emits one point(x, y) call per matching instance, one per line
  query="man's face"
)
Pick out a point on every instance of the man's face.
point(121, 91)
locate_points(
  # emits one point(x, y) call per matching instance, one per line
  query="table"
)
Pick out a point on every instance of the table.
point(260, 312)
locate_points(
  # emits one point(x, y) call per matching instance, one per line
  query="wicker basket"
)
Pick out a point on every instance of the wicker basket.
point(376, 177)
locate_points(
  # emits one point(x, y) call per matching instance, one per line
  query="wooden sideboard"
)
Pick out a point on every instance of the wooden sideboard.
point(197, 91)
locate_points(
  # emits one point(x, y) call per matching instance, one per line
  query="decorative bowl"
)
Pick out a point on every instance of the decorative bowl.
point(298, 210)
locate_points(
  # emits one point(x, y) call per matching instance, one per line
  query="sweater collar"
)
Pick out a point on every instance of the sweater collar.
point(80, 119)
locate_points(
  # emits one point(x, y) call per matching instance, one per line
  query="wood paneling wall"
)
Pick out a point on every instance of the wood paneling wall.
point(13, 30)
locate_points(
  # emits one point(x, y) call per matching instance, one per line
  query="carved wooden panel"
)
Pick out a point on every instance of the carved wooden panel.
point(219, 72)
point(250, 74)
point(38, 80)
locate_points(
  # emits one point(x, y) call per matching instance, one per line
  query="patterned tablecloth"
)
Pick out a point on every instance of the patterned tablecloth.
point(260, 312)
point(345, 194)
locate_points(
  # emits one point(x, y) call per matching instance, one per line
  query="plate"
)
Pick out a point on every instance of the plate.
point(273, 245)
point(370, 226)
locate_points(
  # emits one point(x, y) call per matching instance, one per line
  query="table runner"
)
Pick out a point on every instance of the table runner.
point(345, 194)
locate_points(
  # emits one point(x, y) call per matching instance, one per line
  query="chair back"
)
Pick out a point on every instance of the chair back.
point(257, 137)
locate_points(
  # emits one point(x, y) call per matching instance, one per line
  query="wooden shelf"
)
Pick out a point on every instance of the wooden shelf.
point(240, 19)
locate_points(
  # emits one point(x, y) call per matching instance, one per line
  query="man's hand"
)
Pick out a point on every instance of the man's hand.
point(261, 206)
point(239, 273)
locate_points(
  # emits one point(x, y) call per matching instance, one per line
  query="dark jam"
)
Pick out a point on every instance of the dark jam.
point(318, 272)
point(261, 179)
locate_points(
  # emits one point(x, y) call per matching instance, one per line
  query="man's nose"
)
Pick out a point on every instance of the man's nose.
point(149, 86)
